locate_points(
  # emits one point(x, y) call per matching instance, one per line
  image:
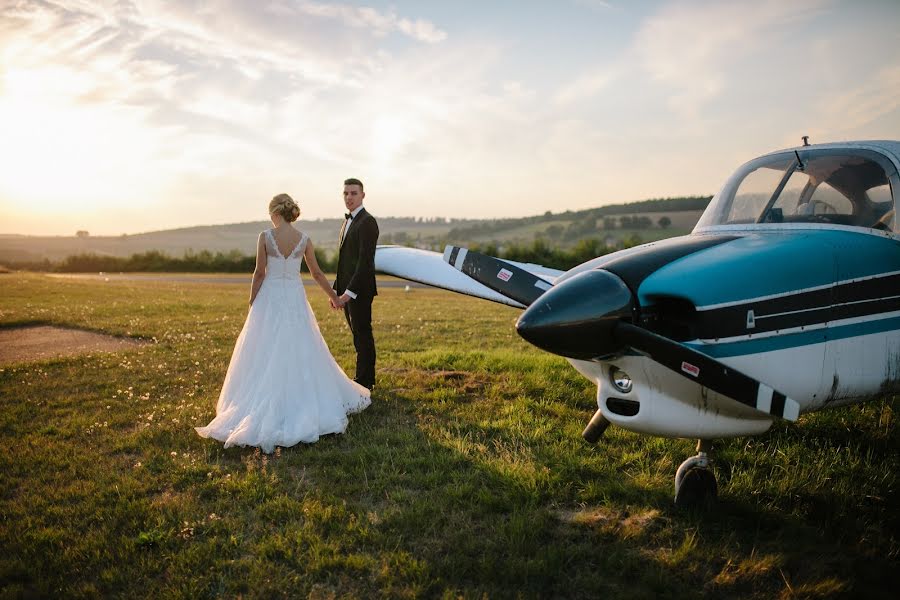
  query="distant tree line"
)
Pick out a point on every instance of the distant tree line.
point(155, 261)
point(682, 203)
point(586, 220)
point(491, 227)
point(541, 253)
point(583, 229)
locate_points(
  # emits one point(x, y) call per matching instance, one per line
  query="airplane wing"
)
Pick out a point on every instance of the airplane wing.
point(523, 282)
point(546, 273)
point(468, 272)
point(424, 266)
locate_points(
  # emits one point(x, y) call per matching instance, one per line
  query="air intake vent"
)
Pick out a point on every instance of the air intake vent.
point(625, 408)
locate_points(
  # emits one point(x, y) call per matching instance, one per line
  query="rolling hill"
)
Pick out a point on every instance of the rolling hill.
point(649, 219)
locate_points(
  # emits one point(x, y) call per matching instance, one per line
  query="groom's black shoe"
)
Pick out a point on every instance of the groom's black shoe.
point(366, 384)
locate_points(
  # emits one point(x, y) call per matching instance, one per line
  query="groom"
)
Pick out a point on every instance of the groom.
point(355, 283)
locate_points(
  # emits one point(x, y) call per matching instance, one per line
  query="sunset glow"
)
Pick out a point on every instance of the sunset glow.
point(127, 117)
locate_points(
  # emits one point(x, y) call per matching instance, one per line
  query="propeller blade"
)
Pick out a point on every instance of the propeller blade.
point(708, 371)
point(499, 275)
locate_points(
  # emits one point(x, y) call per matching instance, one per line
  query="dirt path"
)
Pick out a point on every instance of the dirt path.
point(25, 344)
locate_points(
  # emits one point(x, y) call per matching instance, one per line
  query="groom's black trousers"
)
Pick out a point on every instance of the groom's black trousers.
point(359, 317)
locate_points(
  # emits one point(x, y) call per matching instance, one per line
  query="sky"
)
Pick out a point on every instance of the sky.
point(128, 116)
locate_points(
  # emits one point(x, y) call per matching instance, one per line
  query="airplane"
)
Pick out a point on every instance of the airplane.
point(783, 300)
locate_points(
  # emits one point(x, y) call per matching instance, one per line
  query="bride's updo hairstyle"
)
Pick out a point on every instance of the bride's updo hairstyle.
point(285, 206)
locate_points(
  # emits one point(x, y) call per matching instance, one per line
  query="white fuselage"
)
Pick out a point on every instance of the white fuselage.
point(832, 373)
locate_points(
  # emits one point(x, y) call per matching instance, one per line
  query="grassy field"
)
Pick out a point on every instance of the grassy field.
point(467, 476)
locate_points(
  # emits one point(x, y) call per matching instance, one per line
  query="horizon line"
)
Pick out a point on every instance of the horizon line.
point(338, 218)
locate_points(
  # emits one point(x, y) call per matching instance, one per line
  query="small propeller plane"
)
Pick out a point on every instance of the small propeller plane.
point(784, 299)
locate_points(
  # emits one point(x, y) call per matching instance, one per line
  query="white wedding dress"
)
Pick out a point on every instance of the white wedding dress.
point(283, 386)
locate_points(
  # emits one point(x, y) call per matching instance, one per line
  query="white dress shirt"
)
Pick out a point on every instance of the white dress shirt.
point(349, 221)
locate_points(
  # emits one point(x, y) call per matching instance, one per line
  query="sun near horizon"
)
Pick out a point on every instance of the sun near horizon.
point(127, 118)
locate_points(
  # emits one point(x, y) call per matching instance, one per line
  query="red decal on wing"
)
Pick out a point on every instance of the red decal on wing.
point(690, 369)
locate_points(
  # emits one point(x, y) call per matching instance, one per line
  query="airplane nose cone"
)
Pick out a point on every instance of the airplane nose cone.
point(576, 317)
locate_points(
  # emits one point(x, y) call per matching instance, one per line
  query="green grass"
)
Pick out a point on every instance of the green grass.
point(467, 476)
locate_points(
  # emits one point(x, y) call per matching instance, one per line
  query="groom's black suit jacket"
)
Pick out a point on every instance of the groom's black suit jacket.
point(356, 257)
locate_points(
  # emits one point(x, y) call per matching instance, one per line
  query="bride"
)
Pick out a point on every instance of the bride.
point(283, 386)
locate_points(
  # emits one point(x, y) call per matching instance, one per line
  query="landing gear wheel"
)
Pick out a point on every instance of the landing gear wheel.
point(697, 488)
point(695, 484)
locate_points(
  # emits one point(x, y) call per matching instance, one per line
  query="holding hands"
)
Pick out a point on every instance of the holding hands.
point(338, 302)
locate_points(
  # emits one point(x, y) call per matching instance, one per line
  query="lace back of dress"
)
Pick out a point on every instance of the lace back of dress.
point(301, 247)
point(273, 251)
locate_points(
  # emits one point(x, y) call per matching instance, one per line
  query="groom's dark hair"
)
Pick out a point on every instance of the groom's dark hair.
point(355, 181)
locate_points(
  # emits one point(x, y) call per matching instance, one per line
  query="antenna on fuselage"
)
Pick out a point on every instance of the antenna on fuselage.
point(800, 165)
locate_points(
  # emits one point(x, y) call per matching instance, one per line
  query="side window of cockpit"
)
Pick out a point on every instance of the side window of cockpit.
point(753, 194)
point(883, 207)
point(880, 195)
point(826, 200)
point(804, 199)
point(794, 193)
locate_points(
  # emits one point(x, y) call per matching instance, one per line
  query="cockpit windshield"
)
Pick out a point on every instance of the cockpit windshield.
point(824, 186)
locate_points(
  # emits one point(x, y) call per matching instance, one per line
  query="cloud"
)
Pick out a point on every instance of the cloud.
point(585, 86)
point(316, 41)
point(594, 4)
point(691, 47)
point(223, 58)
point(688, 53)
point(859, 107)
point(202, 105)
point(230, 92)
point(380, 23)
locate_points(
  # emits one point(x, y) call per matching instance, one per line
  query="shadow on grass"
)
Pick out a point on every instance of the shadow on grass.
point(485, 521)
point(456, 482)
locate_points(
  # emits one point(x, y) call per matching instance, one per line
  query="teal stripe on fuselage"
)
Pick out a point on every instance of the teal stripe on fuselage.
point(767, 263)
point(796, 340)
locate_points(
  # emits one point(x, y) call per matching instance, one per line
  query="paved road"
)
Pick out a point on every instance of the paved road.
point(200, 278)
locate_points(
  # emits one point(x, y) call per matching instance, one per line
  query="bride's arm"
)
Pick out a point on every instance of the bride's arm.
point(310, 254)
point(260, 272)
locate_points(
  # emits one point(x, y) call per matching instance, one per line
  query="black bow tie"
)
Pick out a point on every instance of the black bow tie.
point(347, 215)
